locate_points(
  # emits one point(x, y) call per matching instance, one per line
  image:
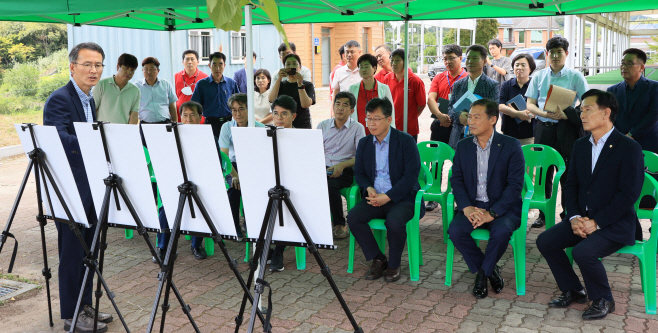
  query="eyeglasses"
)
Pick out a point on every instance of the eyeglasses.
point(88, 66)
point(238, 110)
point(370, 120)
point(627, 64)
point(450, 59)
point(282, 115)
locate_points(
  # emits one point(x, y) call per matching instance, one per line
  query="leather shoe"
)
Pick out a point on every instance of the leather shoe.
point(496, 280)
point(376, 269)
point(430, 206)
point(200, 253)
point(599, 309)
point(102, 316)
point(569, 297)
point(392, 274)
point(480, 287)
point(539, 222)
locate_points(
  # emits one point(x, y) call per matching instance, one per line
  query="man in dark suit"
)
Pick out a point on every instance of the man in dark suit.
point(74, 103)
point(487, 180)
point(605, 179)
point(386, 169)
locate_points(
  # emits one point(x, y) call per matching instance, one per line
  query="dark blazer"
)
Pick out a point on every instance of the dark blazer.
point(486, 88)
point(61, 110)
point(639, 116)
point(403, 166)
point(504, 175)
point(607, 195)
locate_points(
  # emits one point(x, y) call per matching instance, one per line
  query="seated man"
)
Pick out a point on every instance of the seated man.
point(238, 105)
point(340, 136)
point(190, 114)
point(487, 180)
point(386, 169)
point(284, 112)
point(605, 180)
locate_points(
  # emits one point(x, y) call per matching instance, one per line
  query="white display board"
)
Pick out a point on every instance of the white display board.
point(302, 172)
point(48, 140)
point(203, 169)
point(128, 162)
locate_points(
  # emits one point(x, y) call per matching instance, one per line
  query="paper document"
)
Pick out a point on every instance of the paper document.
point(464, 103)
point(558, 96)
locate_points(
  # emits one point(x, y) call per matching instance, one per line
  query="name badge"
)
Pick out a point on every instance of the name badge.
point(450, 94)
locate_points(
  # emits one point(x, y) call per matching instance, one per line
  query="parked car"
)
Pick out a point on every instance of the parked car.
point(439, 67)
point(537, 53)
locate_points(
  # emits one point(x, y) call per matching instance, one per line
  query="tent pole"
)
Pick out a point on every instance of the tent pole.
point(171, 60)
point(406, 70)
point(250, 66)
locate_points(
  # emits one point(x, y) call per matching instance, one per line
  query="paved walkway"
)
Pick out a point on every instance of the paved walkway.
point(303, 300)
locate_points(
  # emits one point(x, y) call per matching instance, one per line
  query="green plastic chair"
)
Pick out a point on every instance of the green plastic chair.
point(518, 240)
point(644, 250)
point(413, 227)
point(434, 158)
point(538, 158)
point(651, 165)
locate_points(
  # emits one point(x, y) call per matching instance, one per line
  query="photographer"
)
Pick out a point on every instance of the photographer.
point(300, 90)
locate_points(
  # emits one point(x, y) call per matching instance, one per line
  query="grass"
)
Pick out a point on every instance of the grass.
point(16, 278)
point(8, 136)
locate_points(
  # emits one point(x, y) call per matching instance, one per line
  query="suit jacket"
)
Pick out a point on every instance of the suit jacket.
point(505, 175)
point(486, 88)
point(403, 166)
point(607, 195)
point(639, 116)
point(63, 107)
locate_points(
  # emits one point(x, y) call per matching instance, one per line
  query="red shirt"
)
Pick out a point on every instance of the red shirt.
point(443, 83)
point(416, 99)
point(182, 80)
point(364, 97)
point(381, 74)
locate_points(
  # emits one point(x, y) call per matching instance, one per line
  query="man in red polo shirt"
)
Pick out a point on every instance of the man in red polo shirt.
point(187, 79)
point(442, 88)
point(383, 54)
point(416, 101)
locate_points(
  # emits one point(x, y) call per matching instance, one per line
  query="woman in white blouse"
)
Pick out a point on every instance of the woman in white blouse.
point(262, 80)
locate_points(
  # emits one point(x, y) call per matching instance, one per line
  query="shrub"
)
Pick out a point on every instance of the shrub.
point(48, 84)
point(22, 79)
point(57, 61)
point(18, 104)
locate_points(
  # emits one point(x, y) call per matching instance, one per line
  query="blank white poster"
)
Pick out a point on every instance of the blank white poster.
point(302, 172)
point(128, 162)
point(48, 140)
point(203, 169)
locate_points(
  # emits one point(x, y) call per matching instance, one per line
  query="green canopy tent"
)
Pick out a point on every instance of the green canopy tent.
point(169, 15)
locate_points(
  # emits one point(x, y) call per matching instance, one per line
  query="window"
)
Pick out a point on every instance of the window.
point(238, 46)
point(522, 37)
point(536, 37)
point(201, 41)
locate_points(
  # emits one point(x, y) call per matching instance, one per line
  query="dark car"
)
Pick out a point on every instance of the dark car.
point(439, 67)
point(537, 53)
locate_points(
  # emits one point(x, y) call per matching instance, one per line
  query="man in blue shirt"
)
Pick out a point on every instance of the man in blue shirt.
point(213, 93)
point(240, 77)
point(386, 169)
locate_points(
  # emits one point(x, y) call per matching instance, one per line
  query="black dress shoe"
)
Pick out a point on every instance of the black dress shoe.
point(480, 288)
point(599, 309)
point(569, 297)
point(160, 253)
point(200, 253)
point(539, 222)
point(496, 280)
point(392, 274)
point(430, 206)
point(376, 269)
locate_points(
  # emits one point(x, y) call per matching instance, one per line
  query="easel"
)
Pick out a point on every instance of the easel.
point(188, 193)
point(277, 196)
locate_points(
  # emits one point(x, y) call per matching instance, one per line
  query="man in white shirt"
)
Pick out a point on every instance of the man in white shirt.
point(347, 75)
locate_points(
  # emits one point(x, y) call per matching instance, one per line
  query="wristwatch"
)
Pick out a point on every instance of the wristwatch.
point(493, 214)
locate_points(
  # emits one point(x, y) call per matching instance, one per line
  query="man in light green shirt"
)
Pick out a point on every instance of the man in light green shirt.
point(117, 100)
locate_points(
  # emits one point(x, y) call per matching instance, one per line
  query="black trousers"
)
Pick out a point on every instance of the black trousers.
point(586, 253)
point(500, 232)
point(547, 135)
point(335, 200)
point(234, 196)
point(440, 133)
point(216, 124)
point(396, 214)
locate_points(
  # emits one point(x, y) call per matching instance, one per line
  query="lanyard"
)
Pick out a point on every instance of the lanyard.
point(453, 82)
point(372, 91)
point(193, 83)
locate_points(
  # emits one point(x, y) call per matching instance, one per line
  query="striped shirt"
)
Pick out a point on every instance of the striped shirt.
point(85, 99)
point(483, 168)
point(340, 143)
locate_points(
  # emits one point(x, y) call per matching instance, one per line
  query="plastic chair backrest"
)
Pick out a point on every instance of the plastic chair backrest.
point(649, 187)
point(227, 167)
point(650, 160)
point(434, 158)
point(537, 160)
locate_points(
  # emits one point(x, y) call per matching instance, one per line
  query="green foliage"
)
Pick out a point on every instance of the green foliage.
point(29, 41)
point(653, 60)
point(48, 84)
point(57, 61)
point(22, 79)
point(486, 29)
point(18, 104)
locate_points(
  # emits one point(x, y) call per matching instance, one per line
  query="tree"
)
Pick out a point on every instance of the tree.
point(486, 29)
point(653, 59)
